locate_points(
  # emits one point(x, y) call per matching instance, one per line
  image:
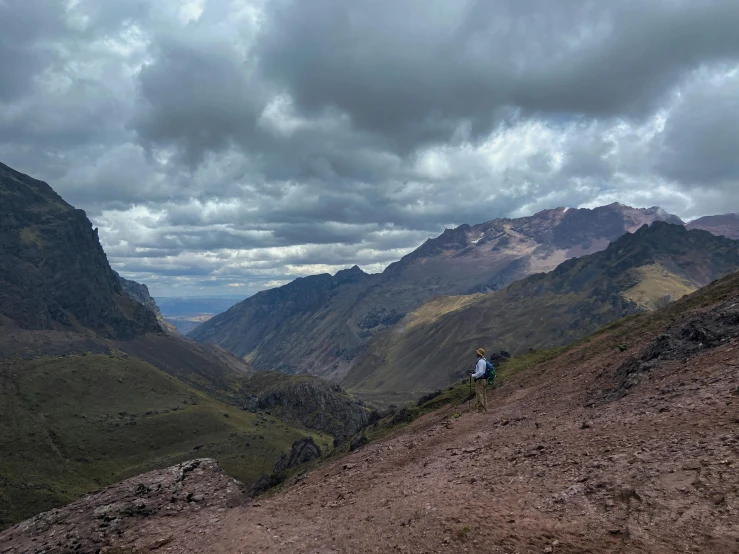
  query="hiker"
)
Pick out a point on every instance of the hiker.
point(479, 375)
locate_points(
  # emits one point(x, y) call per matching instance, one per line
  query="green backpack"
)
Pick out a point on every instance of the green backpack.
point(489, 372)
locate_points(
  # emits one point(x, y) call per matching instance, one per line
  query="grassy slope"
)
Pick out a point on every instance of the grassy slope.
point(656, 285)
point(74, 424)
point(426, 352)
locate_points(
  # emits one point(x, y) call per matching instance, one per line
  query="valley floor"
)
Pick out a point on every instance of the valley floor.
point(654, 472)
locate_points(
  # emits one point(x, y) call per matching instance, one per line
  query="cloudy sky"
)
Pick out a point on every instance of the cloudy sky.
point(225, 146)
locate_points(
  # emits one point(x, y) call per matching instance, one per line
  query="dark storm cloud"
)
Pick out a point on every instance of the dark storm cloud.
point(196, 97)
point(701, 138)
point(413, 70)
point(24, 27)
point(240, 143)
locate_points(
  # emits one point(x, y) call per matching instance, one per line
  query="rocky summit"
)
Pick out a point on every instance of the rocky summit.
point(322, 324)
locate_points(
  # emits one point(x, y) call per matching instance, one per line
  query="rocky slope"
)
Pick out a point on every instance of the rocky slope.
point(433, 346)
point(196, 487)
point(726, 225)
point(306, 401)
point(53, 271)
point(321, 324)
point(556, 465)
point(140, 293)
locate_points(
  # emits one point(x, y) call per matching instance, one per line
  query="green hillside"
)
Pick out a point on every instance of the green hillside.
point(434, 345)
point(74, 424)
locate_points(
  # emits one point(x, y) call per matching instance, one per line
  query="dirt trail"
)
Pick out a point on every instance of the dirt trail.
point(653, 472)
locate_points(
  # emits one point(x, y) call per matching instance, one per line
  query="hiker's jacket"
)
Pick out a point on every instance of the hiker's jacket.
point(480, 369)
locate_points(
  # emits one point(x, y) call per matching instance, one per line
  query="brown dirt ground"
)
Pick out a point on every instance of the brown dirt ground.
point(655, 472)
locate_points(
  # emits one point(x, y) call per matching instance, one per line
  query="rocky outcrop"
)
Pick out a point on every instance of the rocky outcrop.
point(303, 451)
point(114, 515)
point(321, 324)
point(688, 336)
point(53, 271)
point(307, 401)
point(140, 293)
point(358, 442)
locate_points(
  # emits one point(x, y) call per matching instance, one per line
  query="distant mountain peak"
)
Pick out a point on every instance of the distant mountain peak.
point(352, 275)
point(327, 321)
point(726, 225)
point(354, 270)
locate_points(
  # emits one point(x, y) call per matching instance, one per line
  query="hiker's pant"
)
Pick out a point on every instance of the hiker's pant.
point(482, 402)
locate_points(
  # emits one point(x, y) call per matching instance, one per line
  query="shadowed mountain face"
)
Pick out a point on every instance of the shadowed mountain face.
point(53, 271)
point(140, 293)
point(321, 324)
point(435, 344)
point(726, 225)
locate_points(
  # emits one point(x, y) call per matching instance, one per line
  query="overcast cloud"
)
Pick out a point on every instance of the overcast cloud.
point(231, 145)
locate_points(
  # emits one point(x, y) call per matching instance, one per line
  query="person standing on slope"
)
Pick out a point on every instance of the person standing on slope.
point(480, 381)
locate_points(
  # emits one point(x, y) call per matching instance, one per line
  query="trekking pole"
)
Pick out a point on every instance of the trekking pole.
point(469, 401)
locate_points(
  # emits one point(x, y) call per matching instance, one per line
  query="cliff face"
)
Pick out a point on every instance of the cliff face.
point(53, 271)
point(322, 324)
point(140, 293)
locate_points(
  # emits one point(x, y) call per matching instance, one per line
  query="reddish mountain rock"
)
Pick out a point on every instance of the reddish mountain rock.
point(128, 510)
point(726, 225)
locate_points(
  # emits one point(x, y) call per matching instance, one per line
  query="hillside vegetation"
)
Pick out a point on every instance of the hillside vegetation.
point(74, 424)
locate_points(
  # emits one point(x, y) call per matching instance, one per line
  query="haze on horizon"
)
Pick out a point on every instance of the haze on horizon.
point(227, 146)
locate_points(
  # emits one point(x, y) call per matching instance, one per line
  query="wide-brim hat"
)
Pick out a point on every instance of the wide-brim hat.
point(480, 352)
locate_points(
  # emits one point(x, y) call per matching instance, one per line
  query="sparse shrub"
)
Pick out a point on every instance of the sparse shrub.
point(463, 533)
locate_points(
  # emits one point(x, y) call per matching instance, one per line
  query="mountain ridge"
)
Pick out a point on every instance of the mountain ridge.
point(726, 225)
point(321, 324)
point(140, 293)
point(640, 271)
